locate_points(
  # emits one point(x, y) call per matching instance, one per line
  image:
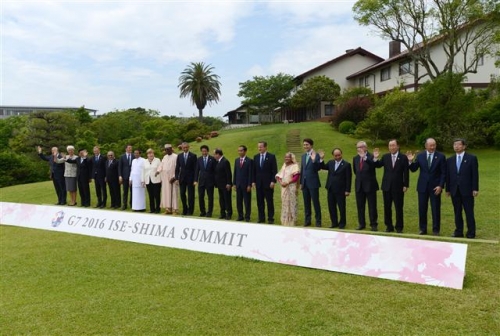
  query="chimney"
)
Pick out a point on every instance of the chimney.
point(394, 48)
point(348, 51)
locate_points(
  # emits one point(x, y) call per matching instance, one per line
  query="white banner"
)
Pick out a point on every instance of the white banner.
point(411, 260)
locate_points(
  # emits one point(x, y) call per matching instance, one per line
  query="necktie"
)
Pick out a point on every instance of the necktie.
point(185, 157)
point(459, 162)
point(109, 163)
point(241, 162)
point(393, 160)
point(429, 161)
point(128, 159)
point(205, 162)
point(337, 165)
point(360, 163)
point(261, 160)
point(307, 158)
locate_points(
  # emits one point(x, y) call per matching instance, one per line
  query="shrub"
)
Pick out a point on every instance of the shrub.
point(355, 110)
point(347, 127)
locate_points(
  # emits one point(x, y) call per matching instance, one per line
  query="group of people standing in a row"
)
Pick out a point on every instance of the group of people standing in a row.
point(179, 174)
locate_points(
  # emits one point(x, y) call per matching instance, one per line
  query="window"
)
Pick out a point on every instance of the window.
point(385, 74)
point(329, 110)
point(361, 81)
point(480, 60)
point(405, 68)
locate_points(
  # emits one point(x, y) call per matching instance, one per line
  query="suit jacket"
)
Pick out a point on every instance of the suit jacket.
point(243, 174)
point(432, 177)
point(149, 171)
point(56, 169)
point(83, 168)
point(309, 171)
point(263, 176)
point(184, 170)
point(112, 171)
point(338, 181)
point(223, 175)
point(205, 176)
point(366, 178)
point(466, 180)
point(124, 166)
point(99, 167)
point(397, 177)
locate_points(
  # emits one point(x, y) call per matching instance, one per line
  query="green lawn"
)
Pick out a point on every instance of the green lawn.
point(61, 284)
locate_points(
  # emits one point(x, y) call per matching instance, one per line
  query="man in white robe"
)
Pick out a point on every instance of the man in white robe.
point(169, 186)
point(138, 189)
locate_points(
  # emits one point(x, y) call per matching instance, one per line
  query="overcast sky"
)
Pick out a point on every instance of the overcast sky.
point(110, 55)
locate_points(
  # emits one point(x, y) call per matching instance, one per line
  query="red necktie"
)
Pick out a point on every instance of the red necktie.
point(360, 163)
point(241, 163)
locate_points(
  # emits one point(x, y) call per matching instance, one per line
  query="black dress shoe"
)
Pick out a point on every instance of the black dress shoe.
point(222, 217)
point(435, 233)
point(247, 220)
point(389, 230)
point(270, 221)
point(341, 227)
point(240, 219)
point(209, 214)
point(157, 210)
point(422, 232)
point(124, 207)
point(470, 236)
point(102, 206)
point(228, 217)
point(203, 214)
point(334, 226)
point(263, 221)
point(457, 235)
point(360, 227)
point(399, 231)
point(307, 224)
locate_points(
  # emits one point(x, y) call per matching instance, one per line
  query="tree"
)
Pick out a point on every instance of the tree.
point(466, 29)
point(315, 90)
point(266, 94)
point(200, 83)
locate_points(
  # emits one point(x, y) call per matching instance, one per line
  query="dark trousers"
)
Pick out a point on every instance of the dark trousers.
point(126, 190)
point(154, 193)
point(337, 199)
point(243, 199)
point(201, 199)
point(84, 190)
point(265, 195)
point(423, 204)
point(187, 204)
point(311, 194)
point(60, 187)
point(467, 204)
point(114, 193)
point(101, 192)
point(225, 203)
point(396, 197)
point(361, 198)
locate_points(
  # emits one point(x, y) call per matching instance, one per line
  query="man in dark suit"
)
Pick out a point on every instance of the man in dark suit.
point(462, 184)
point(309, 182)
point(223, 180)
point(395, 183)
point(366, 186)
point(242, 182)
point(204, 178)
point(265, 169)
point(113, 181)
point(124, 167)
point(184, 173)
point(432, 165)
point(56, 164)
point(99, 176)
point(338, 185)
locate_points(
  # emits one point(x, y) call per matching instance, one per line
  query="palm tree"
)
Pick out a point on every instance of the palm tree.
point(200, 83)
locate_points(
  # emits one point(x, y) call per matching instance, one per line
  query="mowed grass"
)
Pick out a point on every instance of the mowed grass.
point(61, 284)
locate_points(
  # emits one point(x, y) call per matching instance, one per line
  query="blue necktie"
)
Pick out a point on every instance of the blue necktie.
point(459, 162)
point(205, 162)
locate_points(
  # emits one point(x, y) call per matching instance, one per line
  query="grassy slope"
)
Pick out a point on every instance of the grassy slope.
point(56, 283)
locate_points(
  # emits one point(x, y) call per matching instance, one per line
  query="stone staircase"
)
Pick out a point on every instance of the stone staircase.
point(293, 142)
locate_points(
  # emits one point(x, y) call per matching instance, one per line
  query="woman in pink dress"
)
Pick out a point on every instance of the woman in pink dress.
point(288, 178)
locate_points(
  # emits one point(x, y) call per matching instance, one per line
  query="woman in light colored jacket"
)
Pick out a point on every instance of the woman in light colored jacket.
point(70, 174)
point(151, 178)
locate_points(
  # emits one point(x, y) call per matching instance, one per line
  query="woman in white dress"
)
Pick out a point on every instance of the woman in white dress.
point(138, 189)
